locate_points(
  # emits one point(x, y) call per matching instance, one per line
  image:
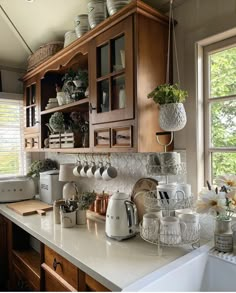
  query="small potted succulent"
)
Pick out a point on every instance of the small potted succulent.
point(170, 99)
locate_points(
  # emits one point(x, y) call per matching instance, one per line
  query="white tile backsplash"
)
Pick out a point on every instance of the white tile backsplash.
point(130, 168)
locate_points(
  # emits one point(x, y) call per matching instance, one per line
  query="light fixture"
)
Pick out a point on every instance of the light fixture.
point(70, 189)
point(29, 1)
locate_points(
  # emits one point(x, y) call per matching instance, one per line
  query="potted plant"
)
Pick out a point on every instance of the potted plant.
point(56, 122)
point(170, 99)
point(40, 166)
point(81, 78)
point(85, 201)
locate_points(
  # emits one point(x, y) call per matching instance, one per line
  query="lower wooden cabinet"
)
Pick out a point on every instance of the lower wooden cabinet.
point(24, 268)
point(3, 253)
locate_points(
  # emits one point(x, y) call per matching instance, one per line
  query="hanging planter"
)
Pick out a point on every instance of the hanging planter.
point(172, 117)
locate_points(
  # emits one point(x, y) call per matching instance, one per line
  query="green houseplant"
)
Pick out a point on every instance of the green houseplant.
point(84, 202)
point(170, 99)
point(167, 94)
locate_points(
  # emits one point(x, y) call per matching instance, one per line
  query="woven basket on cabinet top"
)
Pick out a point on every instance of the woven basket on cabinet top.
point(43, 53)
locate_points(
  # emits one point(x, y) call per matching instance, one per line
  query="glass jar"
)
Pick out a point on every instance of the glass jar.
point(223, 235)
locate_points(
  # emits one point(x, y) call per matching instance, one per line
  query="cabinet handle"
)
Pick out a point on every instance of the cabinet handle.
point(91, 108)
point(55, 263)
point(36, 122)
point(102, 137)
point(119, 136)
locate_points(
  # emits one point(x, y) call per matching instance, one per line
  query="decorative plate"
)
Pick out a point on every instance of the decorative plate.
point(142, 186)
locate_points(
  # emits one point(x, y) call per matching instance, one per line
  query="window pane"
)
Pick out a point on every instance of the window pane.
point(223, 124)
point(12, 156)
point(223, 163)
point(222, 73)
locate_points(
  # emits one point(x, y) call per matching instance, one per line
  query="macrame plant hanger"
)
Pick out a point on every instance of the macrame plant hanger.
point(170, 25)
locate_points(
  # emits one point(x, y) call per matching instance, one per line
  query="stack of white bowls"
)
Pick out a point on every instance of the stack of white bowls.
point(114, 5)
point(81, 24)
point(97, 12)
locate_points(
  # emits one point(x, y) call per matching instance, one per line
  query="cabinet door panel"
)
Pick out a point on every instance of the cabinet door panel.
point(61, 266)
point(111, 80)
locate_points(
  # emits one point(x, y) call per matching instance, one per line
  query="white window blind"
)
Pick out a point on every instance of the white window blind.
point(12, 155)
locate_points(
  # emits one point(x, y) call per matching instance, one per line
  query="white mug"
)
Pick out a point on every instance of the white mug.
point(91, 171)
point(68, 220)
point(109, 173)
point(191, 233)
point(171, 229)
point(83, 171)
point(77, 169)
point(150, 227)
point(186, 188)
point(169, 196)
point(99, 171)
point(170, 162)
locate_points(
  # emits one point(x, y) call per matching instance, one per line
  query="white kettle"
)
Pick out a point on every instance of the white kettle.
point(121, 217)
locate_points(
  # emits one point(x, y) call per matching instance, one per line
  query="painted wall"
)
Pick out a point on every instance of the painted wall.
point(197, 20)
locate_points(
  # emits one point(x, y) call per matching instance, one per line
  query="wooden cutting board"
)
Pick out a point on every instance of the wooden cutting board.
point(29, 207)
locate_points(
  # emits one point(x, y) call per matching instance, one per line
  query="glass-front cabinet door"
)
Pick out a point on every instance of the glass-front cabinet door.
point(111, 73)
point(31, 108)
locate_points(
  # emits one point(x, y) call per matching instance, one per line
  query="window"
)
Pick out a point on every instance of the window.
point(220, 108)
point(12, 156)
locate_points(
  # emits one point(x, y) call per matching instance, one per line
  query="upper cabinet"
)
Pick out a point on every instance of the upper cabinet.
point(32, 113)
point(112, 91)
point(125, 57)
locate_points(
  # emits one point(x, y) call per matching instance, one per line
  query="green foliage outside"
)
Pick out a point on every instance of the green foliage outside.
point(223, 113)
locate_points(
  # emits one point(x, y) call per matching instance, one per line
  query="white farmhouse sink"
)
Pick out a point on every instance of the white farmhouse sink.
point(194, 272)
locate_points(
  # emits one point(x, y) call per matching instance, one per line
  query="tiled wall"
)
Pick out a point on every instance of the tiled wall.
point(130, 167)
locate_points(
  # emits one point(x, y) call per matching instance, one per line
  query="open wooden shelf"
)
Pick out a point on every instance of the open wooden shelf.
point(68, 107)
point(30, 258)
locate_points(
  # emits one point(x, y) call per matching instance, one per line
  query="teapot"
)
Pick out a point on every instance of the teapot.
point(121, 217)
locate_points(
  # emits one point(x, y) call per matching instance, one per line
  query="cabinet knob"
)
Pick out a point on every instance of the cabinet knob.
point(55, 263)
point(102, 137)
point(91, 108)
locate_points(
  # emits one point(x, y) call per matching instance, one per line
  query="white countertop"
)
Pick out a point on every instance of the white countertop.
point(114, 264)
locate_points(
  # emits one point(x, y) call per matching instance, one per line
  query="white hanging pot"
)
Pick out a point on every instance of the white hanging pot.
point(172, 117)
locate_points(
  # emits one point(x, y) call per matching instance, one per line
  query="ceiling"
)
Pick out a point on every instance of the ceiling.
point(40, 22)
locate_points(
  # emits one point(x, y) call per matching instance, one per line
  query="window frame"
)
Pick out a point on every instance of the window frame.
point(25, 158)
point(208, 149)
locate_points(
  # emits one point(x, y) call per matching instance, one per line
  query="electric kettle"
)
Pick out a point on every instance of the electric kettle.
point(121, 217)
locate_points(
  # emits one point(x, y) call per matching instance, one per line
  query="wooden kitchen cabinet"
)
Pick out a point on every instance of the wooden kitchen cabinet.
point(32, 115)
point(4, 250)
point(112, 96)
point(126, 57)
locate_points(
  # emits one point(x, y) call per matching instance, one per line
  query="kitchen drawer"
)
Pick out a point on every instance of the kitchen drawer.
point(52, 284)
point(93, 285)
point(61, 267)
point(102, 137)
point(26, 271)
point(122, 136)
point(31, 142)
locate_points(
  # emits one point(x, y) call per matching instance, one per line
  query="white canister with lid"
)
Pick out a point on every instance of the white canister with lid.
point(69, 38)
point(96, 12)
point(81, 24)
